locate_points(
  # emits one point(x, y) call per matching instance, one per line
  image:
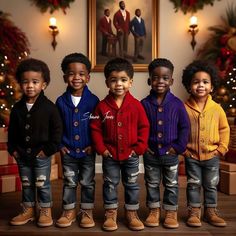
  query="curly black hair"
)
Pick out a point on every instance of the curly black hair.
point(118, 64)
point(32, 64)
point(160, 62)
point(197, 66)
point(75, 57)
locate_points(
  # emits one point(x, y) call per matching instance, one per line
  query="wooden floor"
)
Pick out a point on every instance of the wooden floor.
point(9, 206)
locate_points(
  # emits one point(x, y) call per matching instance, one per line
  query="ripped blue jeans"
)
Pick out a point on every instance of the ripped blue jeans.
point(128, 170)
point(82, 171)
point(202, 174)
point(161, 168)
point(35, 178)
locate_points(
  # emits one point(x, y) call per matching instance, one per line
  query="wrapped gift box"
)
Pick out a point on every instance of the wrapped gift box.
point(8, 169)
point(54, 172)
point(3, 146)
point(6, 159)
point(10, 183)
point(227, 177)
point(3, 135)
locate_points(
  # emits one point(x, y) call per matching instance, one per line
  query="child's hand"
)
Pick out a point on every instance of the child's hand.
point(64, 151)
point(88, 150)
point(41, 154)
point(106, 154)
point(150, 151)
point(15, 154)
point(132, 153)
point(171, 151)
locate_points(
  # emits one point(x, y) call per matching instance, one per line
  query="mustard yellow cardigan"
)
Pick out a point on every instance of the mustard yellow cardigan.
point(209, 130)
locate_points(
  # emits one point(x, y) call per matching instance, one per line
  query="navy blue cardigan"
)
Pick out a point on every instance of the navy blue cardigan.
point(76, 131)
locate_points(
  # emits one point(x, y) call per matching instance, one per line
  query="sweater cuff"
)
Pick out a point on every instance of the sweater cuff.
point(222, 150)
point(179, 149)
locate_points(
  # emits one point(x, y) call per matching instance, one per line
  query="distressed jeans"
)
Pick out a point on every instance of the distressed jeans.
point(35, 178)
point(82, 171)
point(128, 169)
point(161, 168)
point(202, 174)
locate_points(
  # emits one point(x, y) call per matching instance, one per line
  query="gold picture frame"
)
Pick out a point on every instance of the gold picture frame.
point(95, 11)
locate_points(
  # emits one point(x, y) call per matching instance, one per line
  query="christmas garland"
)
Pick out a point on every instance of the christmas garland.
point(191, 5)
point(52, 5)
point(220, 49)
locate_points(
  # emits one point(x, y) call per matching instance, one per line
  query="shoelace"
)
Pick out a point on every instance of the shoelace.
point(83, 212)
point(67, 214)
point(193, 212)
point(110, 214)
point(132, 215)
point(24, 209)
point(214, 211)
point(153, 212)
point(44, 212)
point(170, 214)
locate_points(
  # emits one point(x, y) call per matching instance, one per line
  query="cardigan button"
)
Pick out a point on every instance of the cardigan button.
point(27, 126)
point(76, 110)
point(120, 136)
point(27, 138)
point(159, 145)
point(77, 137)
point(77, 150)
point(76, 123)
point(159, 135)
point(28, 150)
point(28, 115)
point(119, 124)
point(160, 122)
point(160, 109)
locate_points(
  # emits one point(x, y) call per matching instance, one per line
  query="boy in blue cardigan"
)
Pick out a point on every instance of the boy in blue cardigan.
point(78, 158)
point(169, 129)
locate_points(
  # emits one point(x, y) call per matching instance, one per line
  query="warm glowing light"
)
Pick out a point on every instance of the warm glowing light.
point(53, 22)
point(193, 21)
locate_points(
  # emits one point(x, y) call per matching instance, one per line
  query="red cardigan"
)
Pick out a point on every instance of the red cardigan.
point(120, 130)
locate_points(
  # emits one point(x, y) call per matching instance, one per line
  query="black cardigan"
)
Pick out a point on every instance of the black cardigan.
point(31, 131)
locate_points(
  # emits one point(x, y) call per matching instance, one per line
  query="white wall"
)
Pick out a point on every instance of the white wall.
point(174, 40)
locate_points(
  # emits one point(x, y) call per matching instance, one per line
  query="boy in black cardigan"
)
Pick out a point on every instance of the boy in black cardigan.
point(34, 134)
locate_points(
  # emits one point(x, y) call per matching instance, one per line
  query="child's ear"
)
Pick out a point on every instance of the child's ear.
point(88, 78)
point(106, 81)
point(44, 85)
point(149, 81)
point(212, 89)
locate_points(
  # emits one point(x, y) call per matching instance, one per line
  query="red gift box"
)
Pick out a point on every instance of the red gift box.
point(10, 183)
point(8, 169)
point(3, 146)
point(6, 159)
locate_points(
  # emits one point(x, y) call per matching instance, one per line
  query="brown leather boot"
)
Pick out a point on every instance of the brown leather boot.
point(194, 217)
point(67, 218)
point(171, 220)
point(110, 220)
point(45, 217)
point(211, 216)
point(87, 218)
point(27, 214)
point(134, 223)
point(153, 218)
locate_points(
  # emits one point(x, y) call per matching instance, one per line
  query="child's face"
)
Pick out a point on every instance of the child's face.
point(161, 80)
point(119, 83)
point(76, 77)
point(201, 85)
point(32, 83)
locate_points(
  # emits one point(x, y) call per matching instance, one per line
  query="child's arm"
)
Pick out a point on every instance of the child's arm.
point(183, 131)
point(143, 131)
point(224, 133)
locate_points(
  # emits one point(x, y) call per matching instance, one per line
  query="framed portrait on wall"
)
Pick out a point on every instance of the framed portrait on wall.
point(125, 29)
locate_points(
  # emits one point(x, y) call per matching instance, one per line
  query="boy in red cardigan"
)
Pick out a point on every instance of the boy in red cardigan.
point(120, 130)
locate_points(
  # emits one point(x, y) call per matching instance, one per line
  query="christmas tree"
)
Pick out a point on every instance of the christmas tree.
point(13, 48)
point(220, 48)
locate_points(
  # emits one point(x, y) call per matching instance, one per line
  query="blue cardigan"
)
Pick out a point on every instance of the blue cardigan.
point(169, 123)
point(76, 131)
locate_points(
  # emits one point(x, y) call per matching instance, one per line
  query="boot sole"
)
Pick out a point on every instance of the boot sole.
point(194, 225)
point(136, 228)
point(171, 226)
point(87, 225)
point(216, 224)
point(45, 225)
point(22, 222)
point(110, 228)
point(65, 225)
point(151, 224)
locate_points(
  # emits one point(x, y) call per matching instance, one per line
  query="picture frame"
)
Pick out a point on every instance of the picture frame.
point(150, 46)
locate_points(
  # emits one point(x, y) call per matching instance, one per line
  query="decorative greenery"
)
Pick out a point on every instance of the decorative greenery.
point(14, 46)
point(220, 48)
point(52, 5)
point(191, 5)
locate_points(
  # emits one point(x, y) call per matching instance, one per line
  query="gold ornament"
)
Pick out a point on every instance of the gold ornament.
point(221, 91)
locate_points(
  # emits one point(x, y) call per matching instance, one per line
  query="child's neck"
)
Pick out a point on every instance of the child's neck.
point(201, 102)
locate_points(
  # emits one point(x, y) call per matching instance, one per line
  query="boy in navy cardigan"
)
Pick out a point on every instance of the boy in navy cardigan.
point(78, 158)
point(120, 131)
point(169, 129)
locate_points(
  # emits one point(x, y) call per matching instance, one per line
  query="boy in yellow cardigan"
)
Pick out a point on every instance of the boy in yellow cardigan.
point(208, 142)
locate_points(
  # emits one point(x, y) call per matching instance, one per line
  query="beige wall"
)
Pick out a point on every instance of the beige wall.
point(174, 40)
